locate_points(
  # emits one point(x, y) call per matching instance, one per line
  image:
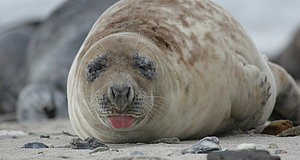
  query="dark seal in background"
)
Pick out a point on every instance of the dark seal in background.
point(49, 57)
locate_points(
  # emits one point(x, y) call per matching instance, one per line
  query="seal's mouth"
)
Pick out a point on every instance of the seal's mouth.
point(121, 121)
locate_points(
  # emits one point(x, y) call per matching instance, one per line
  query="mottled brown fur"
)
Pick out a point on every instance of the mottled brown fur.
point(210, 78)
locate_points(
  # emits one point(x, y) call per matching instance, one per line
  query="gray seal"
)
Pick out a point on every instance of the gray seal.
point(289, 58)
point(173, 68)
point(50, 55)
point(13, 46)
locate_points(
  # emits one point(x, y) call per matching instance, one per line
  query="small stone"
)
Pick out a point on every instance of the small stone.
point(136, 153)
point(88, 143)
point(247, 146)
point(35, 145)
point(44, 136)
point(139, 158)
point(60, 146)
point(113, 150)
point(170, 154)
point(12, 134)
point(242, 155)
point(280, 152)
point(173, 140)
point(278, 126)
point(99, 149)
point(205, 145)
point(63, 157)
point(273, 146)
point(252, 146)
point(295, 131)
point(69, 134)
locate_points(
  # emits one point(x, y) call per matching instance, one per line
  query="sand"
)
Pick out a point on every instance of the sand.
point(10, 148)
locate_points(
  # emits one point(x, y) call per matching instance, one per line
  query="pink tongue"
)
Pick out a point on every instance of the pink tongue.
point(121, 121)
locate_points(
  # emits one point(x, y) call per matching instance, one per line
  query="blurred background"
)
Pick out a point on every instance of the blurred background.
point(37, 46)
point(270, 23)
point(17, 12)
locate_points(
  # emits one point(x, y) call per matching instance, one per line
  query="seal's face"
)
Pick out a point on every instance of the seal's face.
point(120, 85)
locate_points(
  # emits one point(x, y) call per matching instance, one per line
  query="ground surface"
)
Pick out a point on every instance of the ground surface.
point(10, 147)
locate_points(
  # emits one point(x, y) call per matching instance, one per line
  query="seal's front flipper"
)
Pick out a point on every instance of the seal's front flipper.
point(288, 95)
point(253, 91)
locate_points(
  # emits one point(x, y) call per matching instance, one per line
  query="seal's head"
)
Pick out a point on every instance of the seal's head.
point(118, 75)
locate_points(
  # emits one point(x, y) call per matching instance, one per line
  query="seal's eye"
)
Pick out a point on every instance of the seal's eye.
point(96, 66)
point(145, 66)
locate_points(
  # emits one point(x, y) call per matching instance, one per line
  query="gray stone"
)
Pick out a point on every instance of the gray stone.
point(88, 143)
point(242, 155)
point(205, 145)
point(295, 131)
point(139, 158)
point(173, 140)
point(35, 145)
point(136, 153)
point(44, 136)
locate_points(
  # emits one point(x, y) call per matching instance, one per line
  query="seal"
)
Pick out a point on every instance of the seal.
point(13, 45)
point(172, 68)
point(289, 58)
point(50, 55)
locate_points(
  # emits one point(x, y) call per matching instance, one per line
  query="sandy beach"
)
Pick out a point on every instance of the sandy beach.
point(10, 147)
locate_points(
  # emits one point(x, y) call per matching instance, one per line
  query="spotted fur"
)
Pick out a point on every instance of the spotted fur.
point(209, 76)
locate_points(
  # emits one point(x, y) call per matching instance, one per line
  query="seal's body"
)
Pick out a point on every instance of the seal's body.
point(154, 69)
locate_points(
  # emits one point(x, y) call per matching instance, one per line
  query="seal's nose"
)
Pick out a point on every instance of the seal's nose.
point(121, 96)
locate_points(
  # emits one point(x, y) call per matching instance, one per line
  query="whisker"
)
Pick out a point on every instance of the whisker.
point(158, 110)
point(155, 114)
point(136, 43)
point(160, 107)
point(102, 47)
point(159, 97)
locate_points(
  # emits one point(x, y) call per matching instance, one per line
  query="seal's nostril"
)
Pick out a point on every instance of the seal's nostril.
point(125, 92)
point(114, 92)
point(128, 92)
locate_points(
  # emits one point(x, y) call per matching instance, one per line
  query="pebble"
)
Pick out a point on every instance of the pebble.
point(173, 140)
point(136, 153)
point(63, 157)
point(139, 158)
point(295, 131)
point(280, 151)
point(205, 145)
point(99, 149)
point(12, 134)
point(35, 145)
point(88, 143)
point(252, 146)
point(275, 127)
point(273, 146)
point(246, 146)
point(44, 136)
point(242, 155)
